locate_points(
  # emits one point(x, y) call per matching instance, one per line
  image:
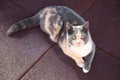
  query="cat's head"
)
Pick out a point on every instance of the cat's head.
point(77, 35)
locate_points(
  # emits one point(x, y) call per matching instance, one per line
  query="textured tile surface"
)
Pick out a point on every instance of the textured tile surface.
point(19, 52)
point(79, 6)
point(105, 25)
point(57, 66)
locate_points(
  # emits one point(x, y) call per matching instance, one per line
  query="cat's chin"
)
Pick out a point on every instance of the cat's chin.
point(78, 45)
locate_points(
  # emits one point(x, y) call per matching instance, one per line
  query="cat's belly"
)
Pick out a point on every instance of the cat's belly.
point(81, 51)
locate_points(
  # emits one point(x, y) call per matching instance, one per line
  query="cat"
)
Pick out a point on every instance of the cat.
point(65, 27)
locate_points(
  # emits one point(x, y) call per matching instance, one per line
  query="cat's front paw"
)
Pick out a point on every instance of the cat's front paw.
point(85, 70)
point(53, 39)
point(80, 62)
point(81, 65)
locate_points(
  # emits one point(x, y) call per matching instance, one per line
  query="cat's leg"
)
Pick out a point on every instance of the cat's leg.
point(79, 61)
point(88, 60)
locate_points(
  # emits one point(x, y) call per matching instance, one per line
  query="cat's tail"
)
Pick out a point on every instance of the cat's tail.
point(23, 24)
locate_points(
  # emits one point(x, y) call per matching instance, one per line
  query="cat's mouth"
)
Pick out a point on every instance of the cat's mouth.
point(78, 44)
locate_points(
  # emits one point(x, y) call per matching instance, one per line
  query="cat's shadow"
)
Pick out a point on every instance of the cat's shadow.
point(71, 63)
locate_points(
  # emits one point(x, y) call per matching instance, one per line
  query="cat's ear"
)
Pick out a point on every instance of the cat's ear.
point(86, 25)
point(68, 26)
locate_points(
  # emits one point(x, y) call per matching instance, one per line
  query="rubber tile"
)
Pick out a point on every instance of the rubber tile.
point(104, 19)
point(20, 51)
point(34, 6)
point(57, 66)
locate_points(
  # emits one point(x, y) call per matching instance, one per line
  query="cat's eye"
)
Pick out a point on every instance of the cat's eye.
point(82, 36)
point(74, 37)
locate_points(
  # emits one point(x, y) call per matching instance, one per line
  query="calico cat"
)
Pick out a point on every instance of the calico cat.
point(65, 27)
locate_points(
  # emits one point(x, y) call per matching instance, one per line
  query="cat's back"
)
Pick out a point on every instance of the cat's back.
point(65, 13)
point(69, 15)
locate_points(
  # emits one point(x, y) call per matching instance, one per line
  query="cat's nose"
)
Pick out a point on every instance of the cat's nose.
point(78, 42)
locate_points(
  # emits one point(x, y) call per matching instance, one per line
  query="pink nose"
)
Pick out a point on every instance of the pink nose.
point(78, 42)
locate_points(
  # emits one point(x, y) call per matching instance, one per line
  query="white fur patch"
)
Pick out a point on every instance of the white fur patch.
point(85, 71)
point(83, 50)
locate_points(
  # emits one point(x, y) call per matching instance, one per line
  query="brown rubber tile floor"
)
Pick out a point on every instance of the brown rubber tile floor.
point(57, 66)
point(19, 53)
point(79, 6)
point(105, 20)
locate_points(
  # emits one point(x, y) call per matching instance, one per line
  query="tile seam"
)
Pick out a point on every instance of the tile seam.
point(104, 51)
point(35, 62)
point(108, 54)
point(28, 12)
